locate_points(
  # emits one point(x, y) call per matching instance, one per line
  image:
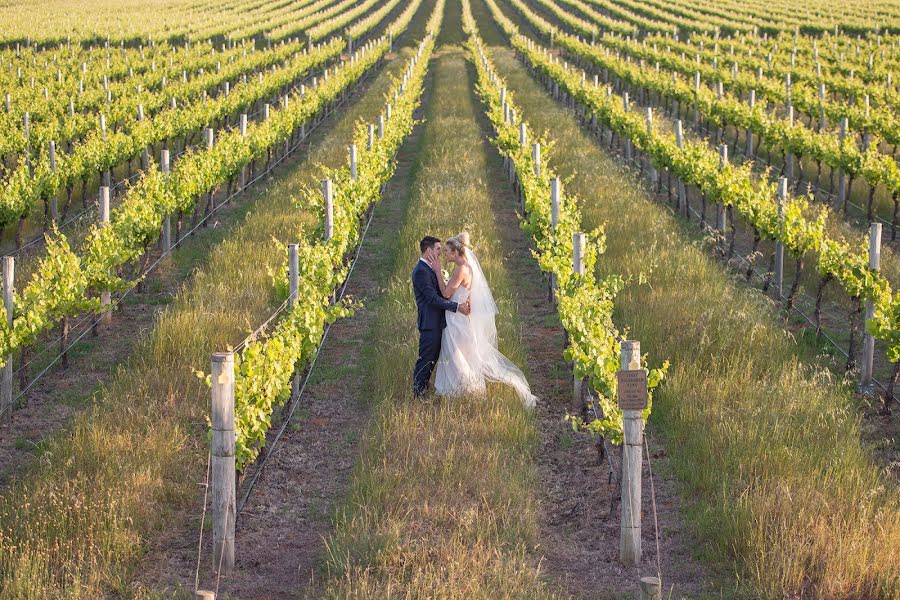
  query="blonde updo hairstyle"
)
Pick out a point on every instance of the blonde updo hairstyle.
point(459, 243)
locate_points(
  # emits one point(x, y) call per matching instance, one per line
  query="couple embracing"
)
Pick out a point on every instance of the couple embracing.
point(457, 331)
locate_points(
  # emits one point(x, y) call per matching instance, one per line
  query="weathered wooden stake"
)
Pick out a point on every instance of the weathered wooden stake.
point(578, 241)
point(294, 280)
point(721, 218)
point(628, 145)
point(554, 221)
point(789, 156)
point(6, 377)
point(210, 200)
point(243, 125)
point(370, 139)
point(842, 188)
point(167, 220)
point(353, 163)
point(651, 588)
point(632, 465)
point(54, 203)
point(682, 191)
point(223, 465)
point(105, 296)
point(779, 245)
point(696, 98)
point(536, 156)
point(868, 340)
point(749, 149)
point(822, 122)
point(328, 194)
point(654, 176)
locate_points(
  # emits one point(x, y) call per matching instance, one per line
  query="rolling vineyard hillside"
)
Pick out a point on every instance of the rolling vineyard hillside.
point(687, 212)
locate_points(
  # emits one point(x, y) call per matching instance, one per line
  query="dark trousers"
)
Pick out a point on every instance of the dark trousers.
point(429, 350)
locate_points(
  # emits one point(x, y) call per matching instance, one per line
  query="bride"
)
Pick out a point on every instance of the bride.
point(469, 354)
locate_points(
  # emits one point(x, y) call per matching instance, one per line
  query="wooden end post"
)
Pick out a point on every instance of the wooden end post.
point(54, 204)
point(721, 215)
point(167, 220)
point(842, 188)
point(682, 191)
point(779, 245)
point(554, 221)
point(328, 194)
point(105, 296)
point(243, 126)
point(6, 381)
point(294, 280)
point(654, 176)
point(789, 156)
point(578, 242)
point(651, 588)
point(632, 465)
point(223, 462)
point(749, 149)
point(868, 340)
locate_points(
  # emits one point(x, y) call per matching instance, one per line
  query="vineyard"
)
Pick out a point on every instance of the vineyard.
point(687, 213)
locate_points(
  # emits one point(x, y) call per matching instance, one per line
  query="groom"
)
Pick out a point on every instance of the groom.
point(431, 306)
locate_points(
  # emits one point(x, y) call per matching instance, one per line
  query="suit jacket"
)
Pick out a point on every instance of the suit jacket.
point(429, 301)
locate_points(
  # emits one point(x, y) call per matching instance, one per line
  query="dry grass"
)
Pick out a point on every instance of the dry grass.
point(442, 502)
point(767, 446)
point(75, 523)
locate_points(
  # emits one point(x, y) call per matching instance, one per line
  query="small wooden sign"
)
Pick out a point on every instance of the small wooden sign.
point(632, 389)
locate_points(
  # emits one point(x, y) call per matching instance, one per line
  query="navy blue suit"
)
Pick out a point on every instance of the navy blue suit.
point(431, 323)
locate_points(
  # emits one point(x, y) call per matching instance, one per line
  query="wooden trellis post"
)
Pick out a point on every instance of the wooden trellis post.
point(54, 203)
point(779, 245)
point(328, 195)
point(749, 150)
point(167, 220)
point(651, 588)
point(578, 242)
point(721, 214)
point(554, 221)
point(682, 191)
point(654, 176)
point(628, 145)
point(789, 156)
point(868, 340)
point(106, 295)
point(6, 393)
point(223, 461)
point(294, 281)
point(842, 188)
point(243, 126)
point(632, 457)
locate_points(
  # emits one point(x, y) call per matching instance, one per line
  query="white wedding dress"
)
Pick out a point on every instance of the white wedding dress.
point(469, 356)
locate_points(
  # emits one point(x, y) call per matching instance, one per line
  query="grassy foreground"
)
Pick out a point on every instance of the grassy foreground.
point(767, 447)
point(74, 526)
point(442, 502)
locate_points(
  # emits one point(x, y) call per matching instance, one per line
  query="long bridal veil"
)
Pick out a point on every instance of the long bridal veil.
point(494, 365)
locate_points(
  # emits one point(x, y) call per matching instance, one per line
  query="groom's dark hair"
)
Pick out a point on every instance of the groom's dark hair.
point(427, 243)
